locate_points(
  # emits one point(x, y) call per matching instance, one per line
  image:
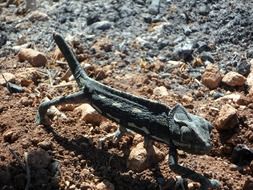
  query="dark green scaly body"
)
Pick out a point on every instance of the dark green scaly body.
point(175, 126)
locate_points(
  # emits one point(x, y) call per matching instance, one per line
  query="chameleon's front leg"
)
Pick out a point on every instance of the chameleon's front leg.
point(188, 173)
point(75, 98)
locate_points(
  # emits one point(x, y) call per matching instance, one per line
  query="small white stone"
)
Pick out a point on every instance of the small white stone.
point(38, 16)
point(137, 160)
point(8, 76)
point(160, 91)
point(89, 114)
point(105, 185)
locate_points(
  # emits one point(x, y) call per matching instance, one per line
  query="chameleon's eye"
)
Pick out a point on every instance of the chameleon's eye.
point(186, 132)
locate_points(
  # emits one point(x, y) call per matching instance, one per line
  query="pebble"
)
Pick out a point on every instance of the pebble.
point(227, 118)
point(160, 91)
point(204, 10)
point(235, 97)
point(249, 80)
point(102, 25)
point(206, 56)
point(217, 95)
point(233, 79)
point(57, 54)
point(233, 167)
point(184, 50)
point(38, 16)
point(26, 101)
point(8, 76)
point(53, 111)
point(137, 160)
point(28, 76)
point(192, 186)
point(242, 155)
point(46, 144)
point(34, 57)
point(173, 65)
point(154, 7)
point(89, 114)
point(10, 136)
point(105, 185)
point(211, 78)
point(243, 67)
point(3, 39)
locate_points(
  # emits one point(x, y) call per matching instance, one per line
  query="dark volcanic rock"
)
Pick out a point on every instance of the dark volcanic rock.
point(3, 39)
point(187, 28)
point(184, 50)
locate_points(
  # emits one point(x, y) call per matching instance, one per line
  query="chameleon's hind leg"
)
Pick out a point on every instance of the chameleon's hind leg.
point(116, 136)
point(188, 173)
point(75, 98)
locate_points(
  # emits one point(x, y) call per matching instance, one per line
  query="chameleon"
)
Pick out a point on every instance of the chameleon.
point(175, 126)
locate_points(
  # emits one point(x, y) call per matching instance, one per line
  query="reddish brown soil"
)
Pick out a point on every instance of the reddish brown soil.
point(66, 154)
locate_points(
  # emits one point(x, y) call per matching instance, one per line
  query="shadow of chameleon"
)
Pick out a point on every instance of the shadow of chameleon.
point(107, 165)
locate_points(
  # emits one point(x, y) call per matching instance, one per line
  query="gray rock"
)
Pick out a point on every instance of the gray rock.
point(154, 7)
point(187, 30)
point(217, 95)
point(184, 50)
point(204, 10)
point(147, 18)
point(92, 18)
point(243, 67)
point(102, 25)
point(207, 56)
point(3, 39)
point(202, 46)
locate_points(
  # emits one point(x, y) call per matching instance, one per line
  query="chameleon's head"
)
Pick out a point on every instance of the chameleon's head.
point(191, 132)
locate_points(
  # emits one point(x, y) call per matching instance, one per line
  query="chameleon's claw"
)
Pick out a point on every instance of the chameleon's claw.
point(116, 136)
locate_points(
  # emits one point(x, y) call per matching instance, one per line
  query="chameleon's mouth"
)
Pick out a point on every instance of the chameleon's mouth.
point(192, 148)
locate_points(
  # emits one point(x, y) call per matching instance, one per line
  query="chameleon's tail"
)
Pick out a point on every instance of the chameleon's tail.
point(73, 63)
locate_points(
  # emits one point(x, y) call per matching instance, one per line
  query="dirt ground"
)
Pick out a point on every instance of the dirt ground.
point(66, 155)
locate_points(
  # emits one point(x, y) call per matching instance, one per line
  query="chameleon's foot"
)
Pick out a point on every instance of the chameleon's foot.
point(116, 136)
point(181, 183)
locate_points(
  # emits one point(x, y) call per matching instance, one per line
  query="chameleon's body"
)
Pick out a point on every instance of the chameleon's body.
point(175, 127)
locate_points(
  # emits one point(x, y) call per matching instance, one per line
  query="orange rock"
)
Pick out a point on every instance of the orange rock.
point(35, 58)
point(212, 76)
point(234, 79)
point(227, 118)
